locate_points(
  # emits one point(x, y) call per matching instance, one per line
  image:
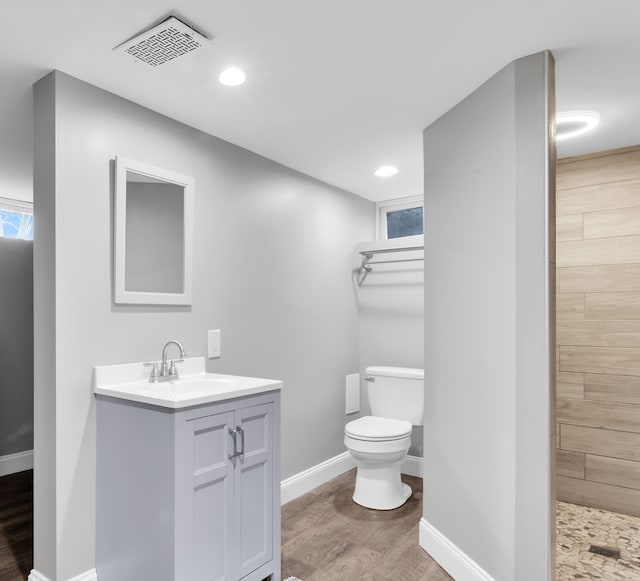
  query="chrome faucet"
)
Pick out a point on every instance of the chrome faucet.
point(168, 371)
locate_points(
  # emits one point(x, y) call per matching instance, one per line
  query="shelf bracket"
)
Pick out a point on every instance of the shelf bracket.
point(366, 257)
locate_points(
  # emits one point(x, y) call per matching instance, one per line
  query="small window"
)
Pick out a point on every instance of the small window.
point(401, 217)
point(16, 219)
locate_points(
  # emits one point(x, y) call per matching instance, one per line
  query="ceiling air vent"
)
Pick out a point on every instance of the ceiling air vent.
point(163, 43)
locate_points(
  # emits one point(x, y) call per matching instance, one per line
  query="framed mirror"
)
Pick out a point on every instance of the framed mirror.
point(153, 235)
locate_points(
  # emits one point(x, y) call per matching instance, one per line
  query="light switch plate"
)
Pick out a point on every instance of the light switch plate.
point(213, 344)
point(352, 400)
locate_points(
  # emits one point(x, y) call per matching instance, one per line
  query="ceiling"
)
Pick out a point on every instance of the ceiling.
point(335, 88)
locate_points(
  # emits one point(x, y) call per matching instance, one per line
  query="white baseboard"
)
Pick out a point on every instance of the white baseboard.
point(413, 466)
point(12, 463)
point(90, 575)
point(449, 556)
point(307, 480)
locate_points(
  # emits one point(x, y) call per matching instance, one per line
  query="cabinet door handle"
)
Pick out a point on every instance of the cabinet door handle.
point(241, 430)
point(233, 434)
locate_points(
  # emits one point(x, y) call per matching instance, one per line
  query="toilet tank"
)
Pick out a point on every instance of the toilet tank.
point(396, 393)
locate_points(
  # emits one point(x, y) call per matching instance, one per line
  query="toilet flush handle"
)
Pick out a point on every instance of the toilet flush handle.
point(369, 378)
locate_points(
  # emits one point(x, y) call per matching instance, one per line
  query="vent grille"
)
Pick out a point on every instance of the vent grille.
point(163, 43)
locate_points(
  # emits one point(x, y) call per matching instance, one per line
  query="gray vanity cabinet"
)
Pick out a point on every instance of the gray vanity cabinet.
point(195, 493)
point(227, 477)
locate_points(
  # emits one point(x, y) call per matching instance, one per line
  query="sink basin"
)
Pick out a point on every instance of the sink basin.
point(205, 381)
point(194, 386)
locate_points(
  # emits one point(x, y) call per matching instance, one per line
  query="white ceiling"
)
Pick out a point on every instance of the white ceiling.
point(335, 88)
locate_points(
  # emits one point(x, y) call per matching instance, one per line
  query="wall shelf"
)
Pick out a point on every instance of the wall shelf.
point(406, 244)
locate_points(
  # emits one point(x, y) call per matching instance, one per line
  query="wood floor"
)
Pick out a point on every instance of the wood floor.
point(327, 537)
point(16, 526)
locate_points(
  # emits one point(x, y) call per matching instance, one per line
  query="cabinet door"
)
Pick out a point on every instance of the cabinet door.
point(254, 488)
point(212, 509)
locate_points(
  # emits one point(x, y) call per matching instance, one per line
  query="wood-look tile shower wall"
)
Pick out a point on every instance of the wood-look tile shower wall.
point(598, 330)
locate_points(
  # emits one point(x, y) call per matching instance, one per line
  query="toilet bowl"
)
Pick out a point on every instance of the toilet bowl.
point(380, 442)
point(379, 445)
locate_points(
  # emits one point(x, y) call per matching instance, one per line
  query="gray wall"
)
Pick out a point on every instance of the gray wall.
point(488, 332)
point(16, 346)
point(391, 307)
point(274, 254)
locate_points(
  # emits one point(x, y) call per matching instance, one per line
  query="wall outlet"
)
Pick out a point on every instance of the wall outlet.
point(352, 399)
point(213, 344)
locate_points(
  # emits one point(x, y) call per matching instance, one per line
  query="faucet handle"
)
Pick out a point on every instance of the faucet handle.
point(172, 367)
point(153, 377)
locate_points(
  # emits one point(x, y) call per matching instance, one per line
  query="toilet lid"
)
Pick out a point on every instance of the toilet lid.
point(375, 428)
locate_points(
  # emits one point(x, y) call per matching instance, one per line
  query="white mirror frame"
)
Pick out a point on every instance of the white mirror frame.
point(122, 296)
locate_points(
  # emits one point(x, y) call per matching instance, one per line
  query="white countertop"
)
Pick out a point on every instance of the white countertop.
point(194, 386)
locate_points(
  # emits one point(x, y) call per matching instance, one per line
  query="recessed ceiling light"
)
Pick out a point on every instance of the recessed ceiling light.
point(232, 77)
point(574, 123)
point(386, 171)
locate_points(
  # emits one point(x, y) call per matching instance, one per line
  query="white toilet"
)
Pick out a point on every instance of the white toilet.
point(380, 442)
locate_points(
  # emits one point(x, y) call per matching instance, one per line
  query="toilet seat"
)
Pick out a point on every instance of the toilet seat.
point(376, 429)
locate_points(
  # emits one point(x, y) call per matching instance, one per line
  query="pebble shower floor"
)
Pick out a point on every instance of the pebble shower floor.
point(581, 527)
